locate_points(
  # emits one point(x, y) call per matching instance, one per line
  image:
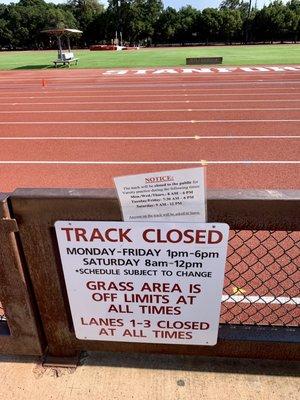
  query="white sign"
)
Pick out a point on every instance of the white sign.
point(163, 196)
point(144, 282)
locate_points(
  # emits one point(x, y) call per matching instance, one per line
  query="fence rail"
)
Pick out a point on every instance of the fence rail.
point(19, 331)
point(260, 312)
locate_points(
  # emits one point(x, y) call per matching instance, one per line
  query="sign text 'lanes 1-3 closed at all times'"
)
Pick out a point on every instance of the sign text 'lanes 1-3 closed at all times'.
point(144, 281)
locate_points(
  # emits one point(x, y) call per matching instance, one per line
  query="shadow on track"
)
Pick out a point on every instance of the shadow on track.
point(41, 66)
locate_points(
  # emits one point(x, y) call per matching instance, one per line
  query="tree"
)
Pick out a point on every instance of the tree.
point(231, 25)
point(24, 21)
point(27, 20)
point(167, 25)
point(293, 16)
point(85, 12)
point(210, 24)
point(144, 15)
point(6, 34)
point(146, 21)
point(187, 23)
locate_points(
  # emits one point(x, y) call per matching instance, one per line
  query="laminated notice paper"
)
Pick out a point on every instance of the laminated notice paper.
point(177, 195)
point(155, 282)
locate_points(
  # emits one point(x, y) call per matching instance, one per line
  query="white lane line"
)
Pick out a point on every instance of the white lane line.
point(141, 85)
point(161, 83)
point(181, 95)
point(95, 111)
point(181, 90)
point(261, 299)
point(139, 80)
point(223, 121)
point(149, 102)
point(198, 82)
point(196, 137)
point(202, 162)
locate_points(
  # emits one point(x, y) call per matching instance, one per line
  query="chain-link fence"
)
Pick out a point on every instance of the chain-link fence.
point(262, 280)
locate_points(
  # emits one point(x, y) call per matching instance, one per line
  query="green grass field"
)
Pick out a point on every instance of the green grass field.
point(160, 57)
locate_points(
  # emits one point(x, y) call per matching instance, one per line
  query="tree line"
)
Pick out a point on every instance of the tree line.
point(147, 22)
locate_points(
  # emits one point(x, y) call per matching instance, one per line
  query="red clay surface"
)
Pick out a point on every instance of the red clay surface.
point(80, 128)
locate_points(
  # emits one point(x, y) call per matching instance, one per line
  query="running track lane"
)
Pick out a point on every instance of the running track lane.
point(242, 120)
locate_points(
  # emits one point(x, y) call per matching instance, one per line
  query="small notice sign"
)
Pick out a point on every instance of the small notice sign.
point(177, 195)
point(144, 281)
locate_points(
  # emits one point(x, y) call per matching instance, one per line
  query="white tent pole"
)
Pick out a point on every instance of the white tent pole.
point(59, 48)
point(69, 46)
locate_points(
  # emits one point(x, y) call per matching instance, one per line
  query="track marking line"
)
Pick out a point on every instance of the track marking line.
point(196, 137)
point(129, 94)
point(181, 95)
point(141, 85)
point(144, 110)
point(10, 162)
point(261, 299)
point(150, 102)
point(223, 121)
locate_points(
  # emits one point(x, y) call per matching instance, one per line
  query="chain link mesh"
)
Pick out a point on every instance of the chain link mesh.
point(262, 279)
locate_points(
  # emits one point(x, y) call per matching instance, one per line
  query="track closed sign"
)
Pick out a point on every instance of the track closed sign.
point(155, 282)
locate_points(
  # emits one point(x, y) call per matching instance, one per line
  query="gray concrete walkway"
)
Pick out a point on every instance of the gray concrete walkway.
point(106, 376)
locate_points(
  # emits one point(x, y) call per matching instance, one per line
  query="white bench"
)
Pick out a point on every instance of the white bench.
point(66, 59)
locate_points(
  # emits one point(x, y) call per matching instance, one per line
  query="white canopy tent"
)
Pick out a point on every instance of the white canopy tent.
point(59, 33)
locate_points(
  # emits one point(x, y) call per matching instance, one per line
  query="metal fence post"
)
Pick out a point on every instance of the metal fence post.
point(20, 333)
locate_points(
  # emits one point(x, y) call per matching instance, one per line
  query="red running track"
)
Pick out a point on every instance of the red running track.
point(80, 128)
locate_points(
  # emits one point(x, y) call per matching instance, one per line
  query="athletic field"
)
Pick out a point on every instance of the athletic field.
point(156, 57)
